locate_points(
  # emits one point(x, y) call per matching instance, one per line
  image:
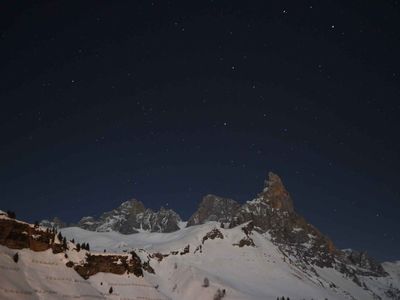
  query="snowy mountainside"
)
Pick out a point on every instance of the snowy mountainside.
point(262, 249)
point(259, 272)
point(239, 262)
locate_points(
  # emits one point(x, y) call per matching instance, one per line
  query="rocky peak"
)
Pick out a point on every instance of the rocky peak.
point(275, 193)
point(272, 211)
point(361, 259)
point(214, 208)
point(133, 205)
point(55, 223)
point(132, 216)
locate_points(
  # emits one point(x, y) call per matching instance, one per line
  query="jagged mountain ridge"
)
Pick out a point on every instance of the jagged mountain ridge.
point(272, 212)
point(239, 263)
point(131, 217)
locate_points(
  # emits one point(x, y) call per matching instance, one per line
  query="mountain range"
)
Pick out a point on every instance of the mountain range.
point(262, 249)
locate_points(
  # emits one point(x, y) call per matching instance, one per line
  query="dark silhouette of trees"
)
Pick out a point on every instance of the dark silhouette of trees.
point(11, 214)
point(219, 294)
point(60, 237)
point(110, 290)
point(16, 257)
point(78, 247)
point(206, 282)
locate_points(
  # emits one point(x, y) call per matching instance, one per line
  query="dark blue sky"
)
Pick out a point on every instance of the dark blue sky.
point(166, 101)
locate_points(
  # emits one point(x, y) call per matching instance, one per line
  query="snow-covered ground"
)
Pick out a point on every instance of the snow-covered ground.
point(261, 272)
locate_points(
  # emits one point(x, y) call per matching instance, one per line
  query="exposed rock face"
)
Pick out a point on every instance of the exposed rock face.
point(214, 208)
point(273, 211)
point(132, 216)
point(246, 241)
point(213, 234)
point(276, 195)
point(116, 264)
point(362, 260)
point(19, 235)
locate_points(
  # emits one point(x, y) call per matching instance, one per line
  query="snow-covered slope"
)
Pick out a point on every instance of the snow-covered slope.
point(239, 262)
point(262, 249)
point(260, 272)
point(43, 275)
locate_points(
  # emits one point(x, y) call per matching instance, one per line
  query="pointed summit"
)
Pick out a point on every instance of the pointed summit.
point(275, 193)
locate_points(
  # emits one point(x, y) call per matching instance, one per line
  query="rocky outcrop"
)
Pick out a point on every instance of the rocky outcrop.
point(276, 195)
point(19, 235)
point(367, 266)
point(115, 264)
point(272, 211)
point(246, 241)
point(214, 208)
point(132, 216)
point(213, 234)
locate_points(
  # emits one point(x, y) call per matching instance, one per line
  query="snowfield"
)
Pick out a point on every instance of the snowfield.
point(254, 273)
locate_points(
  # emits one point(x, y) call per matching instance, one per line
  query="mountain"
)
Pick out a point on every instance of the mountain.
point(214, 208)
point(196, 262)
point(132, 217)
point(55, 223)
point(262, 249)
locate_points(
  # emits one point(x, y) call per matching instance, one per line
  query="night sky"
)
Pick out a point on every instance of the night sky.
point(164, 101)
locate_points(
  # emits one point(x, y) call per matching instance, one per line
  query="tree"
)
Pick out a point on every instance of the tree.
point(78, 247)
point(110, 290)
point(16, 257)
point(11, 214)
point(64, 243)
point(222, 225)
point(60, 237)
point(87, 247)
point(219, 295)
point(73, 241)
point(206, 282)
point(36, 224)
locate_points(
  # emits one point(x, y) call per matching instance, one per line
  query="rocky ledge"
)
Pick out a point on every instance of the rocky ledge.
point(15, 234)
